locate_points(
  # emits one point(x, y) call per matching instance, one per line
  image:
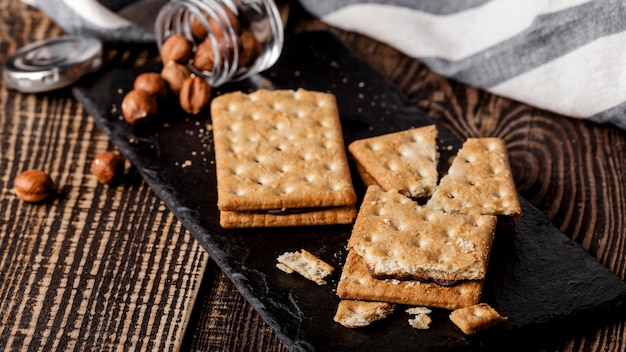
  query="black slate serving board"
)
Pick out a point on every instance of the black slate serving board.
point(547, 285)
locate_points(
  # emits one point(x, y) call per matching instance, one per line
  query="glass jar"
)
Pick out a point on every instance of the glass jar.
point(230, 39)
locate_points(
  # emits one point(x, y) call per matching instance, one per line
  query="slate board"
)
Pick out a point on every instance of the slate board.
point(547, 285)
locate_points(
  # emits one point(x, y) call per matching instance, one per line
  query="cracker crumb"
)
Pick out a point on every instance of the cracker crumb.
point(476, 318)
point(355, 314)
point(305, 264)
point(421, 319)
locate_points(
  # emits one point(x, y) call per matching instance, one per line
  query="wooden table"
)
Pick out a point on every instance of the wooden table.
point(110, 268)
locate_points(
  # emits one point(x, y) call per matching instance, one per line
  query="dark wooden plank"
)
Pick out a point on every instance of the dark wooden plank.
point(96, 268)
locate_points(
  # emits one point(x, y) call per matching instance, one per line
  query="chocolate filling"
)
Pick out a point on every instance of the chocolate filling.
point(287, 211)
point(440, 282)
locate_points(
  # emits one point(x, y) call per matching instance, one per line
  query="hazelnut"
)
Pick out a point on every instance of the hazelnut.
point(175, 74)
point(249, 49)
point(176, 48)
point(34, 186)
point(204, 59)
point(138, 104)
point(199, 31)
point(195, 94)
point(107, 167)
point(152, 83)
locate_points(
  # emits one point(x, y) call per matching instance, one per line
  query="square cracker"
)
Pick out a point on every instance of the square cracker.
point(357, 283)
point(479, 181)
point(476, 318)
point(405, 161)
point(280, 150)
point(398, 238)
point(356, 314)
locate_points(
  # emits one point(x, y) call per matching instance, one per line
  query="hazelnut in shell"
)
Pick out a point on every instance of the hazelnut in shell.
point(195, 94)
point(176, 48)
point(175, 74)
point(108, 167)
point(152, 83)
point(34, 186)
point(137, 105)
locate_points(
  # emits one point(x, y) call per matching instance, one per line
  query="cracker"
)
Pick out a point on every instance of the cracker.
point(305, 264)
point(398, 238)
point(479, 181)
point(405, 161)
point(357, 284)
point(476, 318)
point(280, 150)
point(355, 314)
point(367, 179)
point(329, 216)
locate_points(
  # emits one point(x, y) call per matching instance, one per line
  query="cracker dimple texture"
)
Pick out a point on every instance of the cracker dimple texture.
point(405, 161)
point(479, 181)
point(279, 149)
point(396, 237)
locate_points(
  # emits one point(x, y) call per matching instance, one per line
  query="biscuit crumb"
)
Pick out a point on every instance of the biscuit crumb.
point(421, 319)
point(305, 264)
point(476, 318)
point(355, 314)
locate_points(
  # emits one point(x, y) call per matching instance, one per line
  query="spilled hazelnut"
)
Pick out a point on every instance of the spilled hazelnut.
point(138, 104)
point(176, 48)
point(34, 186)
point(195, 94)
point(175, 74)
point(152, 83)
point(108, 167)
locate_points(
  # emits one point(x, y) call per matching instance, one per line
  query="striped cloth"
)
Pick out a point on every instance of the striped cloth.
point(566, 56)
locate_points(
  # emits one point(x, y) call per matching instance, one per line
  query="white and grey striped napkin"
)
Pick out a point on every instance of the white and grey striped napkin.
point(566, 56)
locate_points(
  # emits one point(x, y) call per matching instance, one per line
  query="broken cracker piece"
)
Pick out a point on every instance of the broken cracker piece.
point(355, 314)
point(418, 310)
point(421, 319)
point(357, 284)
point(399, 239)
point(405, 161)
point(476, 318)
point(305, 264)
point(479, 181)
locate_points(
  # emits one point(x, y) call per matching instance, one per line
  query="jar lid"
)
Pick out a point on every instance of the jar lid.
point(51, 64)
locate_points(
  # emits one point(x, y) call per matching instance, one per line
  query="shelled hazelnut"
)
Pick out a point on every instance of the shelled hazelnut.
point(108, 167)
point(137, 105)
point(152, 83)
point(204, 57)
point(199, 32)
point(175, 74)
point(34, 186)
point(195, 94)
point(249, 49)
point(176, 48)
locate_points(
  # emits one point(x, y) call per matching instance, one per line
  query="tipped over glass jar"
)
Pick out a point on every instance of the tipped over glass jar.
point(220, 40)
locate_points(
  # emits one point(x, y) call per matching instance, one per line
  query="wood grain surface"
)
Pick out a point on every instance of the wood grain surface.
point(96, 268)
point(111, 269)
